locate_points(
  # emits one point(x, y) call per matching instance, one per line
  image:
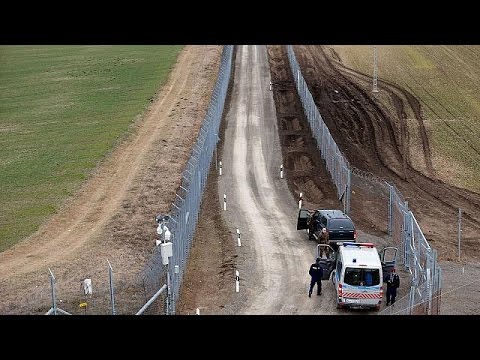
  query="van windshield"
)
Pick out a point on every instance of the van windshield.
point(361, 277)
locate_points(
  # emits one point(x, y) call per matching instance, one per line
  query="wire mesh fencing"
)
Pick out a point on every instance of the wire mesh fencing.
point(336, 164)
point(420, 300)
point(387, 209)
point(370, 196)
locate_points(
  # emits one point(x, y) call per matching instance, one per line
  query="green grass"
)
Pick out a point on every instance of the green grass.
point(446, 79)
point(62, 108)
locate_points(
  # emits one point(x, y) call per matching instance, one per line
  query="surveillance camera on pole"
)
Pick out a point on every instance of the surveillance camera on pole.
point(166, 251)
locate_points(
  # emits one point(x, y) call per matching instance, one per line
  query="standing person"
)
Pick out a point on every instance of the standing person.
point(393, 283)
point(323, 239)
point(316, 272)
point(314, 226)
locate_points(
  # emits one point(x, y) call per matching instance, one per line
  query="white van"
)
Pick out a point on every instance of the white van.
point(358, 273)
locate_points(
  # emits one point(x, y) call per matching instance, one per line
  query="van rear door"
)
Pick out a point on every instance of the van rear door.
point(388, 258)
point(303, 216)
point(328, 261)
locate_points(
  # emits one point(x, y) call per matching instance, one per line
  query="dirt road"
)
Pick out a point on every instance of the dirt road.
point(273, 259)
point(274, 271)
point(112, 214)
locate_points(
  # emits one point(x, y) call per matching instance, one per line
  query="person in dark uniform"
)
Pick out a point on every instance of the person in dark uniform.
point(316, 272)
point(393, 282)
point(314, 226)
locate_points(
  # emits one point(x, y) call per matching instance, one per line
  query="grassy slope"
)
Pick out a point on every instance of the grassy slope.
point(62, 108)
point(446, 79)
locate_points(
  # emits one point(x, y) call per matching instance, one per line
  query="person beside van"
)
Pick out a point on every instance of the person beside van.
point(316, 272)
point(393, 282)
point(323, 239)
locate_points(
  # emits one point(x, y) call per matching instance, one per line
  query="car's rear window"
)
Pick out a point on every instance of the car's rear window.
point(361, 277)
point(343, 224)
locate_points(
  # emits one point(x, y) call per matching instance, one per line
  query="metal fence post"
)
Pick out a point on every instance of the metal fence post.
point(390, 210)
point(411, 300)
point(168, 311)
point(429, 292)
point(459, 230)
point(349, 190)
point(112, 291)
point(54, 298)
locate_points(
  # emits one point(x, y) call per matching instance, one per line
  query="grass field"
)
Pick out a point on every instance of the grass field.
point(62, 108)
point(446, 79)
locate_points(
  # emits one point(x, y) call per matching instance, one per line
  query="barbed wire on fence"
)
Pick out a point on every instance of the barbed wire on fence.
point(367, 175)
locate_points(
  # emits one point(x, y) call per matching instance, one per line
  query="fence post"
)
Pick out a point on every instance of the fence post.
point(349, 191)
point(112, 291)
point(238, 237)
point(429, 292)
point(411, 300)
point(459, 230)
point(390, 211)
point(169, 289)
point(54, 299)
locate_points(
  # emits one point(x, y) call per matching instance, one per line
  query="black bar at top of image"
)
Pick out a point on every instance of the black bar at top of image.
point(242, 24)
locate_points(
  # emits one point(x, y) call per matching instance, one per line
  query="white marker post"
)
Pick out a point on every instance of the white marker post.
point(237, 281)
point(300, 201)
point(197, 312)
point(270, 86)
point(281, 171)
point(238, 237)
point(224, 202)
point(220, 168)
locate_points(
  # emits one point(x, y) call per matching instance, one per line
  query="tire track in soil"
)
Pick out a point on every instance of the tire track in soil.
point(303, 166)
point(434, 202)
point(416, 108)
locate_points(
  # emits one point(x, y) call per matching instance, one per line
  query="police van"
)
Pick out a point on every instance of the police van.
point(357, 271)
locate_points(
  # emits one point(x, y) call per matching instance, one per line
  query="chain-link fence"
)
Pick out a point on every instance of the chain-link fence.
point(370, 200)
point(185, 208)
point(337, 165)
point(91, 302)
point(388, 209)
point(420, 300)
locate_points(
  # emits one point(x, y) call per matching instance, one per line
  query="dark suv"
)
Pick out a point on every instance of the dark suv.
point(339, 226)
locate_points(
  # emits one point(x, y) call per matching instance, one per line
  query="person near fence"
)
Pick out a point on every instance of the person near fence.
point(393, 282)
point(316, 273)
point(323, 239)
